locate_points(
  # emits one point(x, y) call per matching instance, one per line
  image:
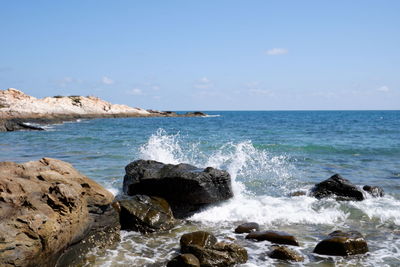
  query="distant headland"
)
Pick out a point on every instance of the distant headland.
point(18, 110)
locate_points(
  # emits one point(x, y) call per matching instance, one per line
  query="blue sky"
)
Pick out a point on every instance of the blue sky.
point(206, 55)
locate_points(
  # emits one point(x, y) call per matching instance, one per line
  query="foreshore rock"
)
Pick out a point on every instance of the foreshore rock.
point(15, 104)
point(339, 243)
point(276, 237)
point(209, 252)
point(146, 214)
point(186, 188)
point(247, 228)
point(284, 253)
point(338, 187)
point(51, 215)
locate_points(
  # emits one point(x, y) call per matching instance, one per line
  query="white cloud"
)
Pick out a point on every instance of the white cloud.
point(276, 51)
point(106, 80)
point(203, 83)
point(383, 89)
point(65, 81)
point(135, 91)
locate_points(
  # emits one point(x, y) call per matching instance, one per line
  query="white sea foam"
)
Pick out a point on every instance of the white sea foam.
point(261, 182)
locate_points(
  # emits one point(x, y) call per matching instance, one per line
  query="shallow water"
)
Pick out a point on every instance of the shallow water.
point(268, 155)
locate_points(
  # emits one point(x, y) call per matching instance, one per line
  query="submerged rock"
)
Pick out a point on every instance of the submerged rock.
point(146, 214)
point(339, 243)
point(205, 247)
point(338, 187)
point(186, 188)
point(276, 237)
point(247, 228)
point(297, 194)
point(48, 209)
point(184, 260)
point(375, 191)
point(284, 253)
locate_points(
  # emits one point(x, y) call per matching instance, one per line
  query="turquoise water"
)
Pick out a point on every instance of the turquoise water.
point(268, 154)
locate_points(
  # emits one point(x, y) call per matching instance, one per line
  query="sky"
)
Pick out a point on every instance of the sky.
point(206, 55)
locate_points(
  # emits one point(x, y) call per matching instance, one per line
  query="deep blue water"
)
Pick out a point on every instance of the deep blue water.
point(268, 153)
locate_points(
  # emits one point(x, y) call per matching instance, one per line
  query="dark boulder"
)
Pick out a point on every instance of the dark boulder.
point(284, 253)
point(146, 214)
point(186, 188)
point(205, 247)
point(339, 243)
point(274, 237)
point(375, 191)
point(338, 187)
point(247, 228)
point(199, 238)
point(184, 260)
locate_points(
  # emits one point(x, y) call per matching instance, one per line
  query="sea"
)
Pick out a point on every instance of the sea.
point(269, 154)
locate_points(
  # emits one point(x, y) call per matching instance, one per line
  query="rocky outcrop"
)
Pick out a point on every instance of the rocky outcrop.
point(209, 252)
point(339, 243)
point(338, 187)
point(186, 188)
point(276, 237)
point(284, 253)
point(184, 260)
point(48, 209)
point(146, 214)
point(247, 228)
point(16, 125)
point(15, 104)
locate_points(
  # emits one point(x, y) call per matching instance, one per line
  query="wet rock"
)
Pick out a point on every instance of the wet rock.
point(184, 260)
point(51, 214)
point(210, 252)
point(186, 188)
point(9, 125)
point(375, 191)
point(284, 253)
point(274, 237)
point(339, 243)
point(247, 228)
point(199, 238)
point(146, 214)
point(338, 187)
point(195, 114)
point(297, 193)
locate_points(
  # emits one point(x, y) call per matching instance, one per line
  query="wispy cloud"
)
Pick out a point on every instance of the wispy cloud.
point(65, 81)
point(106, 80)
point(276, 51)
point(135, 91)
point(383, 89)
point(203, 83)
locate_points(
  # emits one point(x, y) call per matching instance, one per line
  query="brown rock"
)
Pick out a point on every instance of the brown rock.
point(339, 243)
point(210, 252)
point(284, 253)
point(274, 237)
point(48, 207)
point(199, 238)
point(146, 214)
point(247, 228)
point(184, 260)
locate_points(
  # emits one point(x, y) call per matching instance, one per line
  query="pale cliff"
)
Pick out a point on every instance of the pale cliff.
point(16, 104)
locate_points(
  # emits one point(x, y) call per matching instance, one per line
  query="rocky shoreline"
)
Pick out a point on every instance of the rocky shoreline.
point(51, 215)
point(18, 110)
